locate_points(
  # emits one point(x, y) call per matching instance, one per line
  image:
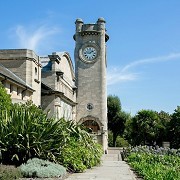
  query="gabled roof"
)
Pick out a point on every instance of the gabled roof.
point(7, 74)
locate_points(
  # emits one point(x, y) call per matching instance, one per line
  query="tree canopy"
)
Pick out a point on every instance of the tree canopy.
point(143, 128)
point(174, 128)
point(116, 117)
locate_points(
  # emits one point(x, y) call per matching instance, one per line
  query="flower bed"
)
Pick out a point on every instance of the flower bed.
point(155, 163)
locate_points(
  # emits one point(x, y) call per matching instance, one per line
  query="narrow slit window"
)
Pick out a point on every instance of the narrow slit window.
point(35, 70)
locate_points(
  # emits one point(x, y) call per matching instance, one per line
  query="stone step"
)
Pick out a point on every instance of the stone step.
point(111, 157)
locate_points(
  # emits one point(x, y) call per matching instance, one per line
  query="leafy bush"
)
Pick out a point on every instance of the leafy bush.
point(39, 168)
point(78, 156)
point(120, 141)
point(26, 132)
point(9, 173)
point(80, 152)
point(5, 99)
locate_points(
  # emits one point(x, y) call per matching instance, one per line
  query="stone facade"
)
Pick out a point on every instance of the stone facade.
point(25, 65)
point(50, 81)
point(19, 90)
point(58, 76)
point(91, 76)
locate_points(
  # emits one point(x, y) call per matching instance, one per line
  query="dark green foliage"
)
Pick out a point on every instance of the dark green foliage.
point(43, 169)
point(80, 152)
point(116, 117)
point(78, 155)
point(150, 127)
point(120, 141)
point(9, 173)
point(143, 128)
point(114, 106)
point(163, 133)
point(26, 132)
point(174, 129)
point(5, 99)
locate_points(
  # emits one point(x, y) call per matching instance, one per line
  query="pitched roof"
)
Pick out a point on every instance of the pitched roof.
point(11, 76)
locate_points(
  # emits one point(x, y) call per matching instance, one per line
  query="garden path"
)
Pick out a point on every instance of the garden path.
point(111, 168)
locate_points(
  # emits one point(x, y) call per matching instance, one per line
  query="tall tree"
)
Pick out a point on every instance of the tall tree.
point(164, 120)
point(174, 128)
point(143, 128)
point(116, 117)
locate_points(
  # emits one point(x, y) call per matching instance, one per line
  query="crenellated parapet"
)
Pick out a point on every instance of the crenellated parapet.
point(90, 29)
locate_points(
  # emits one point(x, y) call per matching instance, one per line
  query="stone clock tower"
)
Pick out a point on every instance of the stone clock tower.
point(90, 70)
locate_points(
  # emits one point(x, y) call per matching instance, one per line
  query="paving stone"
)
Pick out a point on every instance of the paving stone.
point(111, 168)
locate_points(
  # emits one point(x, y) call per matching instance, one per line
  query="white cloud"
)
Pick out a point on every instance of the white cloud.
point(169, 57)
point(119, 75)
point(116, 75)
point(33, 38)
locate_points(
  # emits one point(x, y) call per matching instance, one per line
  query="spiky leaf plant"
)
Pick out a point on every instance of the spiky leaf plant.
point(26, 132)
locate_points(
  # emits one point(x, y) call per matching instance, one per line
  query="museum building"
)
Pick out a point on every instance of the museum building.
point(51, 82)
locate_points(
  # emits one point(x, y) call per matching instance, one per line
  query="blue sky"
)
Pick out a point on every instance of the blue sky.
point(143, 50)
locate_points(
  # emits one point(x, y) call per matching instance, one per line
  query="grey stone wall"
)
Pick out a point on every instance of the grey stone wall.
point(23, 62)
point(91, 77)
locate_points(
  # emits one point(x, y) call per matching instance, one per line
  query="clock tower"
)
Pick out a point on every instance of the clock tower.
point(90, 71)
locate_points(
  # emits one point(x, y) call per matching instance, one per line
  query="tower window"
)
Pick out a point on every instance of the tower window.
point(89, 107)
point(35, 70)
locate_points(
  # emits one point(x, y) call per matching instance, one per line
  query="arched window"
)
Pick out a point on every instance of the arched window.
point(91, 125)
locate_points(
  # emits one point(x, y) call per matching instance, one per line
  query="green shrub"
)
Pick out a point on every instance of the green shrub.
point(80, 152)
point(43, 169)
point(9, 173)
point(78, 156)
point(120, 141)
point(26, 132)
point(5, 99)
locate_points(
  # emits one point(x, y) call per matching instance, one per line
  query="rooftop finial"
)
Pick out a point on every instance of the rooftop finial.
point(79, 20)
point(79, 24)
point(101, 19)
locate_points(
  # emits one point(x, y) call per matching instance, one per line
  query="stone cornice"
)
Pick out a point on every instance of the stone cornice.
point(86, 33)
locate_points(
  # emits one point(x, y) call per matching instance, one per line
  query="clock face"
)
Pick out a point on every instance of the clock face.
point(90, 53)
